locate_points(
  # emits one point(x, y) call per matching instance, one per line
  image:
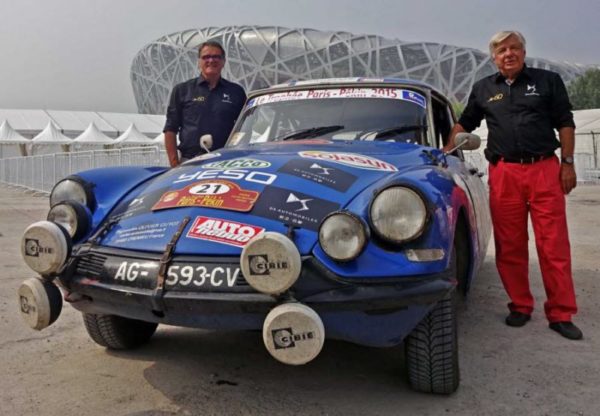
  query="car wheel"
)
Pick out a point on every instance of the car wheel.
point(116, 332)
point(431, 349)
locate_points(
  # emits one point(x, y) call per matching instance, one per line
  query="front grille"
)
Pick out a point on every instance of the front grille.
point(91, 265)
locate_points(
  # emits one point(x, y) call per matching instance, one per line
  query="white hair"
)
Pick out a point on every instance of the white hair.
point(502, 36)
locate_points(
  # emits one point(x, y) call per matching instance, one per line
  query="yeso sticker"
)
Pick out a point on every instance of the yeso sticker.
point(223, 231)
point(350, 159)
point(217, 194)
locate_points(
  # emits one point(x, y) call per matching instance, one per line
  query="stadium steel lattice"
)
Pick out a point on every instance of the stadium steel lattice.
point(260, 56)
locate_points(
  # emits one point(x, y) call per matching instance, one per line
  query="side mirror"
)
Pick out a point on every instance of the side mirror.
point(206, 142)
point(466, 141)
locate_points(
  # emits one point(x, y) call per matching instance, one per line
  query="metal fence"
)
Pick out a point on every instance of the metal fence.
point(40, 173)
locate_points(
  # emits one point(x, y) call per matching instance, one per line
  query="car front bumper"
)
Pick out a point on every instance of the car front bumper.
point(368, 312)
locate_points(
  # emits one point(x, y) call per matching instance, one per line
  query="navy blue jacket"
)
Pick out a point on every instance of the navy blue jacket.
point(195, 110)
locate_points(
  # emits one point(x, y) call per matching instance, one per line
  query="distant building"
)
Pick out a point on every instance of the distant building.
point(260, 56)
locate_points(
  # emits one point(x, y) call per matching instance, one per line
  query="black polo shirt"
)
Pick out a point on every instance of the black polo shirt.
point(520, 117)
point(195, 110)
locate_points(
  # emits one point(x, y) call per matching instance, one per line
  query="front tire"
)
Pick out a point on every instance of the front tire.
point(432, 350)
point(118, 333)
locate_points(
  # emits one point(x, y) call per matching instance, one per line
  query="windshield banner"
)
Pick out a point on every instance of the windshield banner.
point(349, 92)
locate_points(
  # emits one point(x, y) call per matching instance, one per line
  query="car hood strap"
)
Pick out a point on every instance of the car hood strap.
point(159, 291)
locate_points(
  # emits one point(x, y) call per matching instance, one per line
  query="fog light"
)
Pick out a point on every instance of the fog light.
point(45, 247)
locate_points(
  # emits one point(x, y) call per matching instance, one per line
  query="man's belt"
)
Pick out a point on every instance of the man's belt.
point(526, 159)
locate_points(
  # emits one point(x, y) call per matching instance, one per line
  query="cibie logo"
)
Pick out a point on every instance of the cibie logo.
point(350, 159)
point(33, 248)
point(237, 163)
point(222, 231)
point(285, 337)
point(261, 266)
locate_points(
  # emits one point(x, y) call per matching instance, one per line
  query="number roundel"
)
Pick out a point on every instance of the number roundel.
point(210, 189)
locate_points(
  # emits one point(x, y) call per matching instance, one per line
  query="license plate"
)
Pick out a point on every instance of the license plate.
point(179, 276)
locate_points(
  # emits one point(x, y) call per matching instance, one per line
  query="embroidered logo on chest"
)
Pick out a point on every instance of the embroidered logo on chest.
point(531, 90)
point(496, 97)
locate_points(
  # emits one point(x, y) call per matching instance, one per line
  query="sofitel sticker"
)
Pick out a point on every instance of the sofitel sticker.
point(223, 231)
point(237, 163)
point(319, 172)
point(348, 92)
point(350, 159)
point(292, 207)
point(217, 194)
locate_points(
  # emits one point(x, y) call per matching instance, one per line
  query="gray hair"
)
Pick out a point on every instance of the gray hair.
point(502, 36)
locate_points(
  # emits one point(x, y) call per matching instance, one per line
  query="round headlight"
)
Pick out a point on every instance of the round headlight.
point(72, 216)
point(69, 190)
point(342, 236)
point(398, 214)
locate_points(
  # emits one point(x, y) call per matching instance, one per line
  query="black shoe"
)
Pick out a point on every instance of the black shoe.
point(517, 319)
point(567, 329)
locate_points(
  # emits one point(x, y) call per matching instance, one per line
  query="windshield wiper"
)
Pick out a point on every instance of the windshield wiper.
point(390, 131)
point(310, 132)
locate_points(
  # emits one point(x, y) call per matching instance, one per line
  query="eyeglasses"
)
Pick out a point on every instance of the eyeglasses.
point(213, 57)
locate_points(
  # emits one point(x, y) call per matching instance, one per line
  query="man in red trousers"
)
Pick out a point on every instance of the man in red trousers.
point(522, 107)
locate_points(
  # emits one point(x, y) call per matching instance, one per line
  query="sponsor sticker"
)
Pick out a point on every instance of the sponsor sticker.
point(237, 163)
point(345, 92)
point(354, 160)
point(319, 172)
point(223, 231)
point(263, 178)
point(143, 232)
point(292, 207)
point(218, 194)
point(260, 265)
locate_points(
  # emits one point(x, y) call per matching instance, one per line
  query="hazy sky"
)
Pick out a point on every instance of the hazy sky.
point(76, 54)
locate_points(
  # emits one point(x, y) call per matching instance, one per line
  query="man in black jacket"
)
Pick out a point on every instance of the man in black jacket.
point(522, 107)
point(208, 104)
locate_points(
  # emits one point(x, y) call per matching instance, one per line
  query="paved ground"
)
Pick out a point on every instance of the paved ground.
point(529, 371)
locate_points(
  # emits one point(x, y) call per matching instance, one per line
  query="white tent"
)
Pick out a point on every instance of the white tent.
point(50, 140)
point(133, 137)
point(11, 142)
point(92, 138)
point(159, 140)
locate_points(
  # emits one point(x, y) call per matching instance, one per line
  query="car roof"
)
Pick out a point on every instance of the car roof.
point(344, 82)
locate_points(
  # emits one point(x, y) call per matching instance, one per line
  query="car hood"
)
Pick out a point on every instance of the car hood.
point(233, 194)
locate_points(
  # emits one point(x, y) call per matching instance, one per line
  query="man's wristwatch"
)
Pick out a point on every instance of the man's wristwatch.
point(568, 160)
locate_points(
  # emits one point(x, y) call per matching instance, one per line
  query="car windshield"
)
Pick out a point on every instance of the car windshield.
point(390, 114)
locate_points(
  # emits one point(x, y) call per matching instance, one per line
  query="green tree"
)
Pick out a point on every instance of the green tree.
point(584, 91)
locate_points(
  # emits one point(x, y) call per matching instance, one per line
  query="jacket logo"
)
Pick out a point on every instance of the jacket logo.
point(199, 99)
point(496, 97)
point(227, 98)
point(531, 90)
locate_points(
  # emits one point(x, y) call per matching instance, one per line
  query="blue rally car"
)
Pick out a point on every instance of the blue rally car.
point(332, 212)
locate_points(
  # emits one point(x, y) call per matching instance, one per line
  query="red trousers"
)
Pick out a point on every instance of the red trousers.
point(517, 190)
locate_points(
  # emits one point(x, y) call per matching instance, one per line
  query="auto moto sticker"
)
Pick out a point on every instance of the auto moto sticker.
point(319, 172)
point(292, 207)
point(223, 231)
point(219, 194)
point(354, 160)
point(345, 92)
point(237, 163)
